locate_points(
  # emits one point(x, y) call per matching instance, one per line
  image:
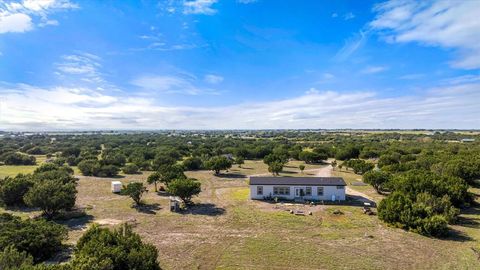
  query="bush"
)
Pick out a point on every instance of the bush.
point(377, 179)
point(185, 189)
point(51, 196)
point(47, 167)
point(193, 163)
point(359, 166)
point(121, 249)
point(12, 259)
point(312, 157)
point(92, 167)
point(12, 189)
point(39, 238)
point(347, 152)
point(275, 168)
point(35, 151)
point(428, 215)
point(18, 159)
point(130, 169)
point(218, 163)
point(135, 190)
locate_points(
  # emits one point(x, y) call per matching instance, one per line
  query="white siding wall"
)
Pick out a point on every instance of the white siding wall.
point(328, 191)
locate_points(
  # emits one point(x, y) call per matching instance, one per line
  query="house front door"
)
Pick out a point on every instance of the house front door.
point(299, 192)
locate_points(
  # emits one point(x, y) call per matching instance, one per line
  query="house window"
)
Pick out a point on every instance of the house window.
point(320, 191)
point(340, 187)
point(259, 190)
point(308, 191)
point(281, 190)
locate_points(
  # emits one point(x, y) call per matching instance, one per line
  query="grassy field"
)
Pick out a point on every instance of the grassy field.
point(226, 230)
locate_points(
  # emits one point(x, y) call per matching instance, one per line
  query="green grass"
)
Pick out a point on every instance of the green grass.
point(255, 235)
point(10, 170)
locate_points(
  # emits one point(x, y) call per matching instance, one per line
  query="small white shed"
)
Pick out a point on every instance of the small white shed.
point(116, 186)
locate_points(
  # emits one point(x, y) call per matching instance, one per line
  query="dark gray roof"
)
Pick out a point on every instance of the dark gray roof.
point(301, 181)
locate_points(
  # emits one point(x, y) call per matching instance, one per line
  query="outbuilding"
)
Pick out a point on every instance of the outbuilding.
point(116, 186)
point(292, 188)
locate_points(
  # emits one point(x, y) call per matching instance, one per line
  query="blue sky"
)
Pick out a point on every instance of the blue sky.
point(215, 64)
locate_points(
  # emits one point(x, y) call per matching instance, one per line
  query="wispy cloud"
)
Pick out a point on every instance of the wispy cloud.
point(448, 24)
point(204, 7)
point(213, 79)
point(31, 108)
point(24, 16)
point(351, 45)
point(412, 76)
point(82, 66)
point(173, 84)
point(246, 1)
point(348, 16)
point(373, 69)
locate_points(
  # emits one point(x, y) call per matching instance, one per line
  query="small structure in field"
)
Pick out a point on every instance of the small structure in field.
point(116, 186)
point(175, 204)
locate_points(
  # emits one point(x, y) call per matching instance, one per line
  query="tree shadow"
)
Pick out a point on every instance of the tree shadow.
point(472, 221)
point(21, 208)
point(150, 209)
point(292, 172)
point(356, 200)
point(457, 236)
point(78, 223)
point(205, 209)
point(231, 175)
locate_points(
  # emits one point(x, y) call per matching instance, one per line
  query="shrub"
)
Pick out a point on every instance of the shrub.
point(377, 179)
point(130, 169)
point(135, 190)
point(121, 249)
point(92, 167)
point(12, 259)
point(312, 157)
point(193, 163)
point(428, 215)
point(12, 189)
point(39, 238)
point(185, 189)
point(18, 159)
point(47, 167)
point(51, 196)
point(218, 163)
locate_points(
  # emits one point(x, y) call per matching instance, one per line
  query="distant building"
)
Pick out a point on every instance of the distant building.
point(467, 140)
point(292, 188)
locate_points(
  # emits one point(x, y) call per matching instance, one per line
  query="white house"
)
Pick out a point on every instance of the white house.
point(290, 188)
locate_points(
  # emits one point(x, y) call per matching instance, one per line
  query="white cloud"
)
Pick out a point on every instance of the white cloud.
point(199, 7)
point(22, 16)
point(447, 24)
point(17, 22)
point(374, 69)
point(334, 15)
point(348, 16)
point(25, 107)
point(246, 1)
point(82, 66)
point(172, 84)
point(213, 79)
point(328, 76)
point(413, 76)
point(351, 45)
